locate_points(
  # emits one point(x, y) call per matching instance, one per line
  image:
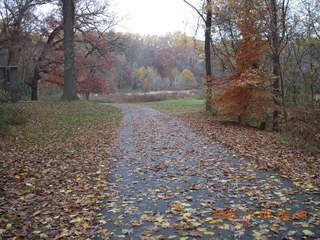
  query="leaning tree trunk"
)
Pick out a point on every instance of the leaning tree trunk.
point(207, 51)
point(69, 90)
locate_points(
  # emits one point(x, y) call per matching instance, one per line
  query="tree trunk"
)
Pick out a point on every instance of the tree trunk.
point(275, 38)
point(207, 51)
point(87, 94)
point(34, 83)
point(34, 92)
point(276, 91)
point(69, 90)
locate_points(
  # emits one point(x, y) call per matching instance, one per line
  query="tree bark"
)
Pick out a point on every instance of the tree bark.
point(275, 42)
point(276, 91)
point(207, 50)
point(87, 94)
point(69, 90)
point(34, 84)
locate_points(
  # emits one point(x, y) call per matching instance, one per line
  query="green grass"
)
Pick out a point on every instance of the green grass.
point(180, 102)
point(54, 122)
point(179, 106)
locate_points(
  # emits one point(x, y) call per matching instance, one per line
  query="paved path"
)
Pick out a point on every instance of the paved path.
point(169, 182)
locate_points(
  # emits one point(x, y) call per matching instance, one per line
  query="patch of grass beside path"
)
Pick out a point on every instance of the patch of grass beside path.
point(178, 106)
point(53, 170)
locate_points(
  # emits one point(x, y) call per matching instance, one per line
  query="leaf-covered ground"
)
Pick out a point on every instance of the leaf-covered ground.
point(53, 171)
point(170, 182)
point(269, 150)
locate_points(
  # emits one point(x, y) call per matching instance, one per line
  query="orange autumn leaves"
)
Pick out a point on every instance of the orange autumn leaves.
point(247, 91)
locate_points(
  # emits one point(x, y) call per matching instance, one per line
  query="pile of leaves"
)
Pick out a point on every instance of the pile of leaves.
point(53, 171)
point(268, 151)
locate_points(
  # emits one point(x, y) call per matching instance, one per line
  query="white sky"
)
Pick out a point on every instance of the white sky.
point(155, 17)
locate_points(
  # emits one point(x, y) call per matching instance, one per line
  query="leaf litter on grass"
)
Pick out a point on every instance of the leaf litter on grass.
point(53, 171)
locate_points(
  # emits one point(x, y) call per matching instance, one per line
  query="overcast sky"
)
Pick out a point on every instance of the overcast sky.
point(155, 17)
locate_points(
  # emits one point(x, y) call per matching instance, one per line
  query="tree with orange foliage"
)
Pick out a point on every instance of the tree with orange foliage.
point(247, 91)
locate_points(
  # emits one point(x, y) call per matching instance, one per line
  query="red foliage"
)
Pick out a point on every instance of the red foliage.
point(92, 59)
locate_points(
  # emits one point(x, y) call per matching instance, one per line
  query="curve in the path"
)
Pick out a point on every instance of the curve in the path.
point(169, 182)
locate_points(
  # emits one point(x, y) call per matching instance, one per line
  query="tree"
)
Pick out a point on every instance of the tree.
point(277, 34)
point(207, 19)
point(18, 30)
point(91, 65)
point(247, 90)
point(187, 79)
point(69, 90)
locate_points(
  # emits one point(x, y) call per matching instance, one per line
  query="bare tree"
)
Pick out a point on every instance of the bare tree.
point(277, 34)
point(207, 19)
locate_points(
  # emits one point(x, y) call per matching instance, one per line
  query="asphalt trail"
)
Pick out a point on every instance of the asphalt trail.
point(169, 182)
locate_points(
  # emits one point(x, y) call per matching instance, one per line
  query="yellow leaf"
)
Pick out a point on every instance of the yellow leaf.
point(85, 225)
point(77, 220)
point(209, 233)
point(176, 207)
point(196, 224)
point(308, 233)
point(256, 235)
point(165, 225)
point(135, 223)
point(202, 229)
point(183, 238)
point(43, 235)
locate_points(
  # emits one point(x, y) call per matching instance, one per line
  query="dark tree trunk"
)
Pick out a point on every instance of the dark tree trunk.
point(87, 94)
point(207, 51)
point(34, 85)
point(275, 42)
point(11, 71)
point(69, 90)
point(34, 93)
point(276, 91)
